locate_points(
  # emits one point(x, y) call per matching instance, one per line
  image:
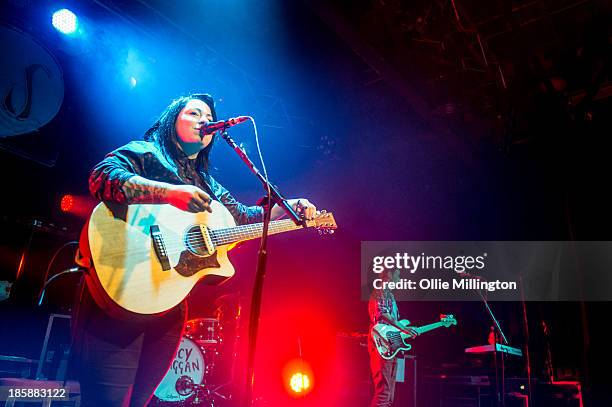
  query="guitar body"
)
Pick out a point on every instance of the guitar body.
point(389, 340)
point(138, 273)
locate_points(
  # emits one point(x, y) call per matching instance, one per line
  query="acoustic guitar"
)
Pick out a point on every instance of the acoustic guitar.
point(147, 258)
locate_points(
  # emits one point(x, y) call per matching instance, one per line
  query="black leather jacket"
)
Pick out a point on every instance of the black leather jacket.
point(145, 159)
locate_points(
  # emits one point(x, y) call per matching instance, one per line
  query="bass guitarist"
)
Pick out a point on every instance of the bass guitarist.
point(382, 308)
point(121, 361)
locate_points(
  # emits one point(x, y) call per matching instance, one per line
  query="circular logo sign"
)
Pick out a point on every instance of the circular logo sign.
point(31, 84)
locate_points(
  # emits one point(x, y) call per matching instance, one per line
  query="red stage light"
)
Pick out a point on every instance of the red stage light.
point(298, 378)
point(78, 205)
point(67, 203)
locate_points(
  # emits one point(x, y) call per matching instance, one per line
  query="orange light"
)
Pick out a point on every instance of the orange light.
point(67, 203)
point(298, 378)
point(300, 382)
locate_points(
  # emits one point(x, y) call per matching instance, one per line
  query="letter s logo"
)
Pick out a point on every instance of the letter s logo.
point(7, 102)
point(31, 84)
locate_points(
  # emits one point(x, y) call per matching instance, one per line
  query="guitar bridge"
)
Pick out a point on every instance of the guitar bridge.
point(160, 247)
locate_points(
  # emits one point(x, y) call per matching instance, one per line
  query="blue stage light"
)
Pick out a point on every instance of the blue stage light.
point(64, 21)
point(133, 82)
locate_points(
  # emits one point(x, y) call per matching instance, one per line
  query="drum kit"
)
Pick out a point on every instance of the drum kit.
point(188, 380)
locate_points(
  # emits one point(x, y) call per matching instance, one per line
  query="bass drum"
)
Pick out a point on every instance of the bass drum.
point(187, 364)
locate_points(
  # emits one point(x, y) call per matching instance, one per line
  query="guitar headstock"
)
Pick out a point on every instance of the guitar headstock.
point(324, 222)
point(448, 320)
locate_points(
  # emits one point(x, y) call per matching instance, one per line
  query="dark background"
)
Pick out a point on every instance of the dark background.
point(421, 120)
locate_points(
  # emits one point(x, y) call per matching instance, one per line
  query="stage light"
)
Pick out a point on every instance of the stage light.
point(64, 21)
point(78, 205)
point(67, 203)
point(133, 82)
point(299, 383)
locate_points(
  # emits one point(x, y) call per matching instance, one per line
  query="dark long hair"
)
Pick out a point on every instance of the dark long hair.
point(163, 132)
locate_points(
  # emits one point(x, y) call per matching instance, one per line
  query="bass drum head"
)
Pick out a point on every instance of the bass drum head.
point(188, 361)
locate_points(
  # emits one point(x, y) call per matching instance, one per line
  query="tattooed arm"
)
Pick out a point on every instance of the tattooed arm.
point(186, 197)
point(142, 190)
point(116, 179)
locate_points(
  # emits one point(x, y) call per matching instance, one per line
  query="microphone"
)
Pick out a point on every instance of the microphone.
point(211, 127)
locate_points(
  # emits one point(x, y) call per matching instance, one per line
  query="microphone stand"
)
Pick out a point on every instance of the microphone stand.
point(501, 395)
point(501, 400)
point(274, 197)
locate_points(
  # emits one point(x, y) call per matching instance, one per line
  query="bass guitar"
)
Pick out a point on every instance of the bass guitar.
point(389, 340)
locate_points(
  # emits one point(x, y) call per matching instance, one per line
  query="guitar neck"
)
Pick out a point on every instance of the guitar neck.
point(430, 327)
point(251, 231)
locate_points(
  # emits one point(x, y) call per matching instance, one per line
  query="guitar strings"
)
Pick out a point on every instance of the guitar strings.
point(237, 231)
point(229, 235)
point(221, 234)
point(242, 229)
point(197, 242)
point(220, 237)
point(194, 240)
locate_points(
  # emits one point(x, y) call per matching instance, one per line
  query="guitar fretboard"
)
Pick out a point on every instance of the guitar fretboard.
point(251, 231)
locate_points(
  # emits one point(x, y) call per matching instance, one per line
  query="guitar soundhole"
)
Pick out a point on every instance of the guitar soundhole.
point(194, 241)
